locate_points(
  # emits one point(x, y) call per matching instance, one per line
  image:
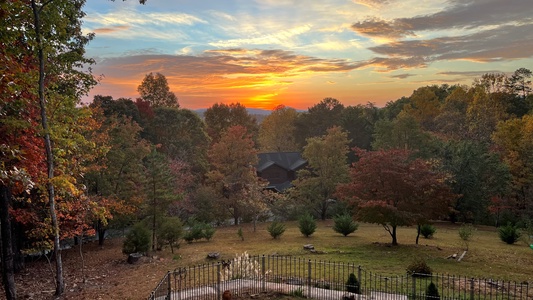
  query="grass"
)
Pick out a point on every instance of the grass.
point(369, 247)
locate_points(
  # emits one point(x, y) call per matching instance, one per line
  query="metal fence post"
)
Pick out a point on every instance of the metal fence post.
point(414, 287)
point(360, 282)
point(309, 279)
point(169, 291)
point(218, 282)
point(472, 289)
point(263, 272)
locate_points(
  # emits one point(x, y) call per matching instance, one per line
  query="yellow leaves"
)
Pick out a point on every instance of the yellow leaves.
point(66, 184)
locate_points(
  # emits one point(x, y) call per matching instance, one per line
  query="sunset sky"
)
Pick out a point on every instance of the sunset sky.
point(263, 53)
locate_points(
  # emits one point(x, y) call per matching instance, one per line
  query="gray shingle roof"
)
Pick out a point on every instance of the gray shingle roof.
point(290, 161)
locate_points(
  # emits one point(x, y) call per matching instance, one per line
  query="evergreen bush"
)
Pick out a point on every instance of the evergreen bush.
point(276, 229)
point(427, 230)
point(352, 284)
point(170, 233)
point(137, 240)
point(509, 233)
point(344, 224)
point(432, 293)
point(198, 231)
point(307, 224)
point(208, 231)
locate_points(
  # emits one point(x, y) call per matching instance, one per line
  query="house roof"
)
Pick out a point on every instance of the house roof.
point(280, 187)
point(290, 161)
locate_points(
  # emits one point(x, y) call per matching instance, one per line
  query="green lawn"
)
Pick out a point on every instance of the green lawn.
point(369, 247)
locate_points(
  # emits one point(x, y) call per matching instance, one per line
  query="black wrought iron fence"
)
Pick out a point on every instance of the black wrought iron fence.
point(252, 275)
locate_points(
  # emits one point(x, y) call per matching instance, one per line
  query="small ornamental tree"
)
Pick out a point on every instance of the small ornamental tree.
point(307, 224)
point(392, 189)
point(465, 233)
point(170, 233)
point(344, 224)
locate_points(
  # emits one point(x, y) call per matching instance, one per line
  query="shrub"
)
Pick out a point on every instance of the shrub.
point(240, 233)
point(427, 230)
point(419, 268)
point(432, 293)
point(509, 233)
point(208, 231)
point(352, 284)
point(137, 240)
point(298, 293)
point(307, 224)
point(170, 233)
point(198, 231)
point(344, 224)
point(276, 229)
point(465, 233)
point(188, 236)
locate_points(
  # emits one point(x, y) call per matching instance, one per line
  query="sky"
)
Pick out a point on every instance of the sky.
point(265, 53)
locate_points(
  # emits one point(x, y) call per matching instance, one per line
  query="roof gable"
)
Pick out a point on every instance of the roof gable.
point(290, 161)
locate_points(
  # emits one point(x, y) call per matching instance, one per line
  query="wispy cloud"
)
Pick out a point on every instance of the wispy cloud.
point(402, 76)
point(373, 3)
point(492, 30)
point(105, 30)
point(264, 49)
point(284, 37)
point(461, 14)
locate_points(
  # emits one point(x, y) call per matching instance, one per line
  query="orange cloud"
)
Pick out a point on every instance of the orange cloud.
point(107, 30)
point(255, 78)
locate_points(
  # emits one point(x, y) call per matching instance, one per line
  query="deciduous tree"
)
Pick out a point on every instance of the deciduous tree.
point(327, 167)
point(277, 131)
point(54, 37)
point(404, 132)
point(220, 117)
point(232, 170)
point(181, 135)
point(514, 141)
point(155, 90)
point(318, 119)
point(391, 189)
point(478, 174)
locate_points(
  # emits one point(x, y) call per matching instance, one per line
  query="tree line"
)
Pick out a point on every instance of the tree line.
point(461, 153)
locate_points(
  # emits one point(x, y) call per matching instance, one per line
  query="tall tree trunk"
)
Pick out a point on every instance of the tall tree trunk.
point(324, 211)
point(60, 284)
point(418, 229)
point(153, 217)
point(393, 234)
point(101, 233)
point(8, 269)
